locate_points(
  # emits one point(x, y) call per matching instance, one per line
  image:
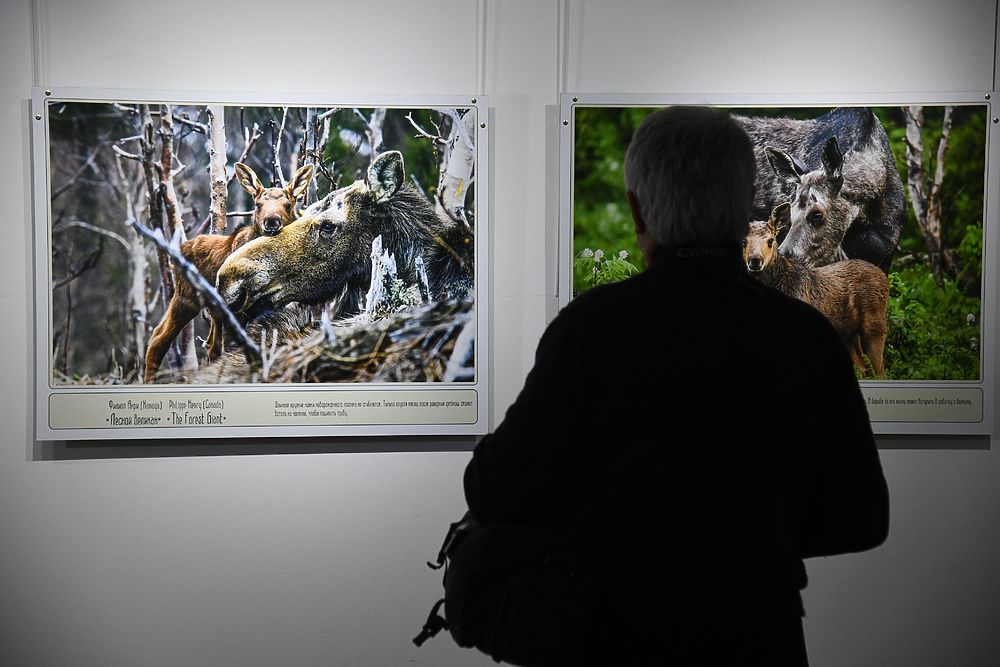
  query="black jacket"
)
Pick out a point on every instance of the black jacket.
point(706, 432)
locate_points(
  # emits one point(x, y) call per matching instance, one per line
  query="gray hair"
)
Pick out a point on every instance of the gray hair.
point(692, 171)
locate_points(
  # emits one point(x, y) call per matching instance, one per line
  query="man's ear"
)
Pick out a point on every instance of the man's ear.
point(637, 220)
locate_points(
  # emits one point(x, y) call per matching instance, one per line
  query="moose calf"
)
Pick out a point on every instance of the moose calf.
point(274, 208)
point(853, 293)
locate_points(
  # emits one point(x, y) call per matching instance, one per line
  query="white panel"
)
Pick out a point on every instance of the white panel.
point(258, 45)
point(800, 46)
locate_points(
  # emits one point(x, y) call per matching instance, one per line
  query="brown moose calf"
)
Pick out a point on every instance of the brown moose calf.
point(274, 208)
point(853, 293)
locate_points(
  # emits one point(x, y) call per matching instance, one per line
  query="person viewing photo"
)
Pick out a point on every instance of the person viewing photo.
point(688, 463)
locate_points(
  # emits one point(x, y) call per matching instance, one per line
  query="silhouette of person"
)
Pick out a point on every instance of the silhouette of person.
point(703, 432)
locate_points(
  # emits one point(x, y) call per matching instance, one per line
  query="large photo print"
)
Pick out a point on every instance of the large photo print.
point(231, 245)
point(873, 214)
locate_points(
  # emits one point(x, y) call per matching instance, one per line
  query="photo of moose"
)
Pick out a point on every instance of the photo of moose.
point(219, 244)
point(873, 215)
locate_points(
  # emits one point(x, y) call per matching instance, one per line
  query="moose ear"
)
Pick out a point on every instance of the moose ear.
point(781, 216)
point(385, 176)
point(300, 181)
point(784, 165)
point(833, 160)
point(248, 179)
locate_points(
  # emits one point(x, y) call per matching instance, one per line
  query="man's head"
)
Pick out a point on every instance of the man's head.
point(689, 172)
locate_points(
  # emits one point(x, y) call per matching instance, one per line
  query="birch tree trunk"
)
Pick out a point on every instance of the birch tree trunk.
point(217, 165)
point(925, 191)
point(457, 166)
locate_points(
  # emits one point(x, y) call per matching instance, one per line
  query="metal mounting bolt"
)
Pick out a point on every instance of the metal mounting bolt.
point(48, 92)
point(987, 96)
point(38, 116)
point(482, 125)
point(565, 122)
point(996, 120)
point(576, 99)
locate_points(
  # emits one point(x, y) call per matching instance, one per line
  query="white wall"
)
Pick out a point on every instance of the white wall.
point(291, 552)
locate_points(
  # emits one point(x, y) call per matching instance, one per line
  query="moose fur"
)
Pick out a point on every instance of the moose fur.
point(274, 208)
point(840, 176)
point(852, 293)
point(326, 255)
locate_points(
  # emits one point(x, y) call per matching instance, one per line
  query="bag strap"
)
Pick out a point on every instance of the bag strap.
point(434, 624)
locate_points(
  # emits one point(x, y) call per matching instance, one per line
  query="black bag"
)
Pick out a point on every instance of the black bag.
point(522, 594)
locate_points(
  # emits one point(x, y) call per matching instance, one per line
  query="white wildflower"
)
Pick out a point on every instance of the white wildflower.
point(598, 255)
point(970, 318)
point(623, 254)
point(587, 252)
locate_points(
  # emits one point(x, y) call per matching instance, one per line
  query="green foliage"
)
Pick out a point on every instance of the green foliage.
point(601, 218)
point(593, 267)
point(934, 331)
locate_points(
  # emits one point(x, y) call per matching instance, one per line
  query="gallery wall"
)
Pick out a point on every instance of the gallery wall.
point(306, 552)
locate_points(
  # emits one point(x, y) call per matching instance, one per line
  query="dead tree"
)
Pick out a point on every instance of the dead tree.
point(164, 210)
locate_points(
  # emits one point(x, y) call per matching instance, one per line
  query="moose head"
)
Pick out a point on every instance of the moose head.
point(819, 213)
point(274, 207)
point(761, 244)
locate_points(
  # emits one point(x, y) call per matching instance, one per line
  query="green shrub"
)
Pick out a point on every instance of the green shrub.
point(934, 330)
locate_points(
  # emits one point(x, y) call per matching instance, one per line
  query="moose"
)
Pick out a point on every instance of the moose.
point(274, 208)
point(839, 174)
point(324, 256)
point(853, 293)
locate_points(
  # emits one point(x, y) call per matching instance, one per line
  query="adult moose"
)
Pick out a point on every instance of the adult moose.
point(839, 175)
point(274, 208)
point(325, 255)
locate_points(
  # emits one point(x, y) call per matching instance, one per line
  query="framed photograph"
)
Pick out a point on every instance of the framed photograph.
point(219, 265)
point(902, 182)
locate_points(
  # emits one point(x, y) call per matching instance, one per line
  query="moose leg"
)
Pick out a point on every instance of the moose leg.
point(215, 337)
point(874, 346)
point(178, 314)
point(855, 349)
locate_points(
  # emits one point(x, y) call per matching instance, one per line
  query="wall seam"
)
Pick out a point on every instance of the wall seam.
point(39, 43)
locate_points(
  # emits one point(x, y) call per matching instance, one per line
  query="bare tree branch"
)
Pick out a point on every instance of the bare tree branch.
point(126, 154)
point(75, 270)
point(118, 238)
point(87, 164)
